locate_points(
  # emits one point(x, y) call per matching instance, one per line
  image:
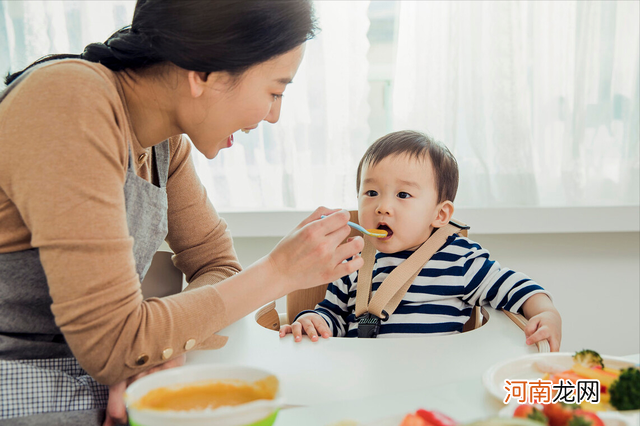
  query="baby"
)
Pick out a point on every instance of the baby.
point(406, 185)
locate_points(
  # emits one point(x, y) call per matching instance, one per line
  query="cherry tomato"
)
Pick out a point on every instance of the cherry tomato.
point(413, 420)
point(528, 411)
point(435, 418)
point(559, 413)
point(585, 418)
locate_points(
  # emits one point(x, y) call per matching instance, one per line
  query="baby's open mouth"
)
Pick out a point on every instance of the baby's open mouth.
point(385, 228)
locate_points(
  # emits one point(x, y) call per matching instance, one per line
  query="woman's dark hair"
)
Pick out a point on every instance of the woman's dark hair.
point(202, 35)
point(420, 146)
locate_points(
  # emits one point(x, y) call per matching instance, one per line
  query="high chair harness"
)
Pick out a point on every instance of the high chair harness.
point(371, 310)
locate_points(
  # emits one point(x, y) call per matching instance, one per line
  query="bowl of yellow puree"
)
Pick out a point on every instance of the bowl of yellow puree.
point(194, 395)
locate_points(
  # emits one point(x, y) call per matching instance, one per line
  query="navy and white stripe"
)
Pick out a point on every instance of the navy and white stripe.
point(459, 276)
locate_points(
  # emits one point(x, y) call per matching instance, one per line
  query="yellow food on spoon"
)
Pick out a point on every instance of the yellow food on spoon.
point(203, 395)
point(378, 233)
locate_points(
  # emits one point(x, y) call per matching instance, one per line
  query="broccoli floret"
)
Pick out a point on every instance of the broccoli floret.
point(588, 358)
point(625, 391)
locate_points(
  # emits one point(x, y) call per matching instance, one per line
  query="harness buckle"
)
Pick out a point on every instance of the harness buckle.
point(368, 326)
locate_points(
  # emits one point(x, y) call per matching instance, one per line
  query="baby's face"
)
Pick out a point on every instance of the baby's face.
point(399, 195)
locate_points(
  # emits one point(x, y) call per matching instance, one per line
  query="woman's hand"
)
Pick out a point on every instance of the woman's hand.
point(312, 254)
point(116, 410)
point(312, 324)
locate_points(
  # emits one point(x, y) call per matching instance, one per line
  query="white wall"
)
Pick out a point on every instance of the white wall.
point(593, 277)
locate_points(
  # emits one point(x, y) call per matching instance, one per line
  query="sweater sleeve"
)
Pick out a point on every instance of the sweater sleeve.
point(488, 283)
point(64, 168)
point(197, 235)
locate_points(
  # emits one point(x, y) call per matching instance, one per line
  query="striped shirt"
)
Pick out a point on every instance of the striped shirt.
point(459, 276)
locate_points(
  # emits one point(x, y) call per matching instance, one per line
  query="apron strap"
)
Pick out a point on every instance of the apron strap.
point(162, 158)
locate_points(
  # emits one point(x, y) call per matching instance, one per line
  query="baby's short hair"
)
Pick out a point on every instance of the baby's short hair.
point(419, 146)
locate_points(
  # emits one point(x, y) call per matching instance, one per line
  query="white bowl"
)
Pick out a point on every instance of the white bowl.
point(255, 413)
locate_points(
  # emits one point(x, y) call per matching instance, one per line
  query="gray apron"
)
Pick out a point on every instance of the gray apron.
point(41, 382)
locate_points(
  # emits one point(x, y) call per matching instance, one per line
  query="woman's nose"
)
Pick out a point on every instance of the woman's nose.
point(274, 112)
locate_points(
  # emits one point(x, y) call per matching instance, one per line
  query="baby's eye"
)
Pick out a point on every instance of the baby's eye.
point(404, 195)
point(276, 97)
point(371, 193)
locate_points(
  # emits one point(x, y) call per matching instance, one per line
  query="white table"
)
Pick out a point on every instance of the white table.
point(464, 401)
point(339, 378)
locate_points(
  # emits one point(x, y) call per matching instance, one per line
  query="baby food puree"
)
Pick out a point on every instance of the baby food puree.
point(203, 395)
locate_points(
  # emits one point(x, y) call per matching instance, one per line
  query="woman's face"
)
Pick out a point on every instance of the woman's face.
point(226, 105)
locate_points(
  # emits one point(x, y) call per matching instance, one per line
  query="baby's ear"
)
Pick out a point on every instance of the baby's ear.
point(445, 212)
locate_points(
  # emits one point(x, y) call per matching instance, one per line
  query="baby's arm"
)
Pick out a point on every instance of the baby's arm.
point(544, 321)
point(506, 289)
point(329, 317)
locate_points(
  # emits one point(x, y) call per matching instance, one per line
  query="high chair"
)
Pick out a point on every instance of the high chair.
point(300, 300)
point(163, 278)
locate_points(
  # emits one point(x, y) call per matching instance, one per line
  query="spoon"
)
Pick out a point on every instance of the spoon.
point(377, 233)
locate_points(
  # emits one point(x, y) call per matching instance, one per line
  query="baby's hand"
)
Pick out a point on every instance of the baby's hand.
point(545, 325)
point(312, 324)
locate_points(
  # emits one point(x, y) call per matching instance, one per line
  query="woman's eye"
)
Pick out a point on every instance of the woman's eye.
point(404, 195)
point(371, 193)
point(276, 97)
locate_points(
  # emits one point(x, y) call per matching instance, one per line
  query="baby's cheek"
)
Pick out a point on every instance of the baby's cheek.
point(364, 219)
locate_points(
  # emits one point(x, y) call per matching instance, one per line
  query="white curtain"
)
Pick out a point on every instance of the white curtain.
point(539, 101)
point(307, 159)
point(31, 29)
point(310, 156)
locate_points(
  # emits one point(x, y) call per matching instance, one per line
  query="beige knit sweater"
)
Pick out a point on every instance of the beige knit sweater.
point(64, 145)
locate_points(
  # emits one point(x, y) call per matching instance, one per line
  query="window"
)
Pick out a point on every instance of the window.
point(539, 101)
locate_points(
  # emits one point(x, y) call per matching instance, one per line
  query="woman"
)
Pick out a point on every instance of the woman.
point(95, 174)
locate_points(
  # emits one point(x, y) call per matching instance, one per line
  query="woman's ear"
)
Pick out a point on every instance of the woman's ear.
point(197, 82)
point(445, 212)
point(201, 83)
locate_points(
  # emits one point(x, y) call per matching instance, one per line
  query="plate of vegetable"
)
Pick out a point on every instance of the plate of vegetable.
point(435, 418)
point(420, 417)
point(619, 379)
point(561, 414)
